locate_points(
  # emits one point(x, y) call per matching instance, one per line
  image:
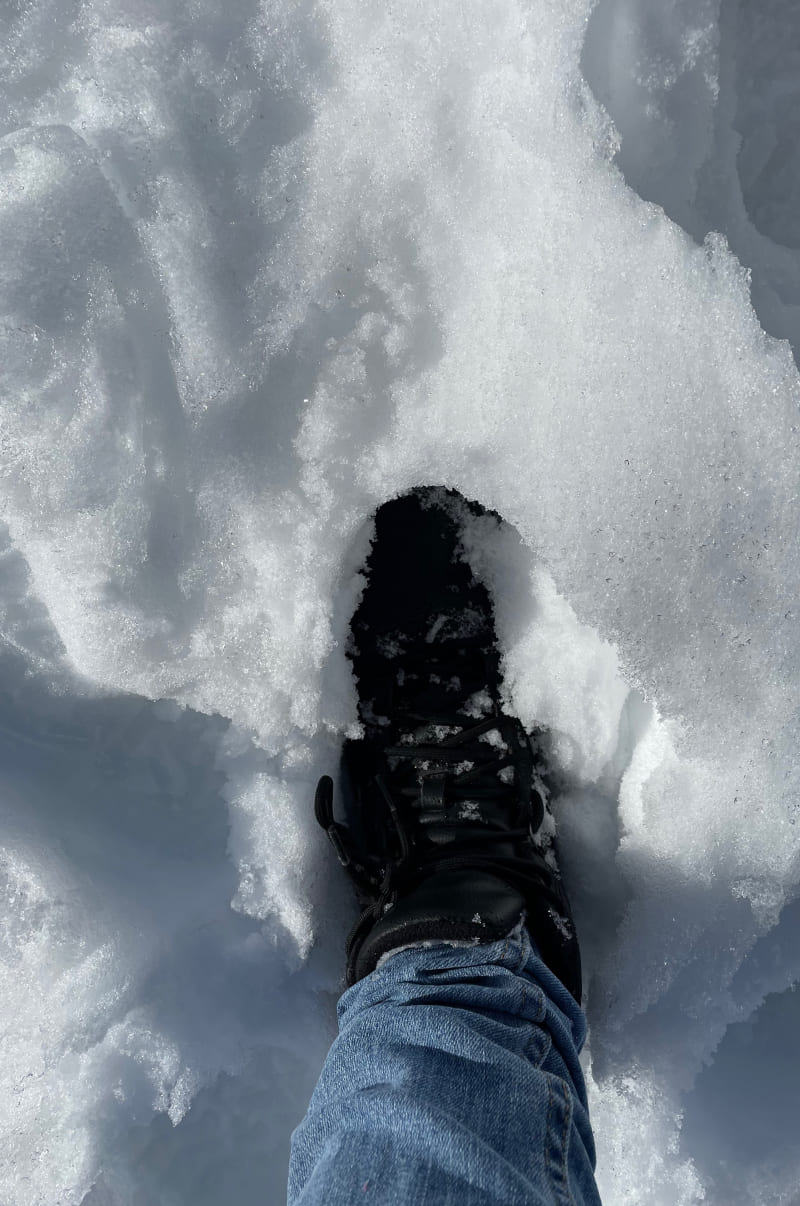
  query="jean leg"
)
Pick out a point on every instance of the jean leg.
point(454, 1081)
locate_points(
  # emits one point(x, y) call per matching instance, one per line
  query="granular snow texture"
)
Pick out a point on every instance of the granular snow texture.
point(266, 265)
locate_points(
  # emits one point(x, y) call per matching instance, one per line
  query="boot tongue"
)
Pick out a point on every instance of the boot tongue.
point(437, 795)
point(456, 906)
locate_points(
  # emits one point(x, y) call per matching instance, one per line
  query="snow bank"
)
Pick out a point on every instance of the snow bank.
point(262, 270)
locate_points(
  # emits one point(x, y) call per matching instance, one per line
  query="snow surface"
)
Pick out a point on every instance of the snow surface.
point(264, 266)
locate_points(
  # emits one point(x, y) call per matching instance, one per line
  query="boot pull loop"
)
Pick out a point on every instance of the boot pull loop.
point(323, 802)
point(536, 814)
point(323, 811)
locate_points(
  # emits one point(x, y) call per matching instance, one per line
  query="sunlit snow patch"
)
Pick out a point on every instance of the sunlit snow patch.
point(264, 270)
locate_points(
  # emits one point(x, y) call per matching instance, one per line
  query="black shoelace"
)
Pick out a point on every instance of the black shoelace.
point(424, 785)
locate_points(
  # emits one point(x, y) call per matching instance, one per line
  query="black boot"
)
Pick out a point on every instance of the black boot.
point(447, 833)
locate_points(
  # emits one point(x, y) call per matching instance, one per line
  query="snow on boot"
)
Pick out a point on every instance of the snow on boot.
point(447, 835)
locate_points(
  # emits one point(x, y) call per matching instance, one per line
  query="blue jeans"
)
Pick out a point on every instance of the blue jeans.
point(454, 1081)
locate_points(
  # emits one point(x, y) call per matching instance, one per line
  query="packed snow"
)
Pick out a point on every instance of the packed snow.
point(266, 265)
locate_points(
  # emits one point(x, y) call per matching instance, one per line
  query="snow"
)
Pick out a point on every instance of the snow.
point(265, 266)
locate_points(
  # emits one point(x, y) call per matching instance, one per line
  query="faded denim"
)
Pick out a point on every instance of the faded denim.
point(454, 1081)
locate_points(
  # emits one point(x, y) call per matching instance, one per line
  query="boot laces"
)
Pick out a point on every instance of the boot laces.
point(457, 785)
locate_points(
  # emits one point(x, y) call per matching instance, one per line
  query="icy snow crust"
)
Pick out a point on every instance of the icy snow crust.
point(265, 266)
